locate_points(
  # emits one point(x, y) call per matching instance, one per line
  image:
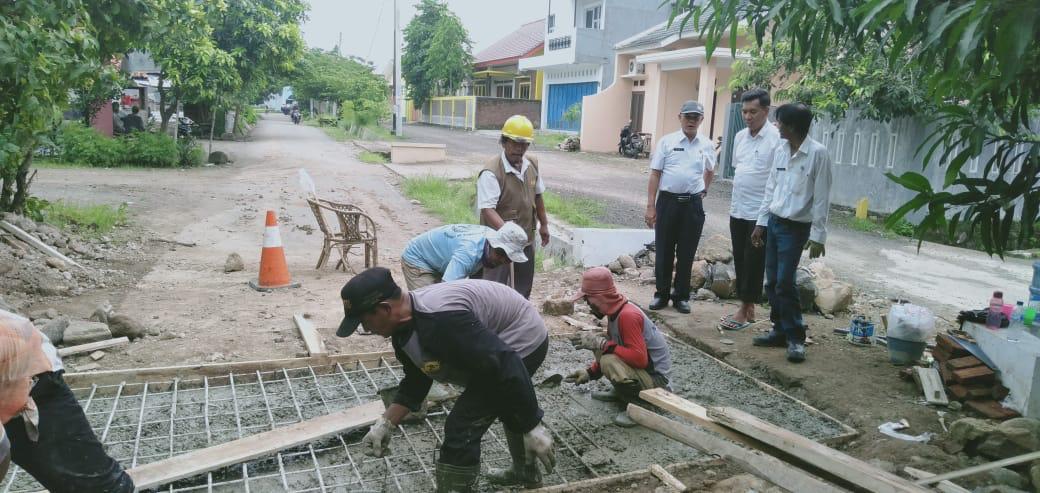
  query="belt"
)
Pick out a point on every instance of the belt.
point(785, 220)
point(680, 197)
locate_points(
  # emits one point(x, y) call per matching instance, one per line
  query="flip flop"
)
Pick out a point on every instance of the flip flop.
point(734, 326)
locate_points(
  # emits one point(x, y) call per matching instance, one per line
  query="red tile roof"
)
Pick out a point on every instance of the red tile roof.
point(515, 45)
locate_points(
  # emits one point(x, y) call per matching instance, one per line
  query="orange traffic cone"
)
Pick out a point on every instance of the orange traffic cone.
point(274, 273)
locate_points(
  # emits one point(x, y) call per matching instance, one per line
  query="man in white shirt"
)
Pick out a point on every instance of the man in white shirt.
point(795, 208)
point(681, 171)
point(752, 156)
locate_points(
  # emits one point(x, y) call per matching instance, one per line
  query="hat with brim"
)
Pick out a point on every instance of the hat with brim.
point(692, 106)
point(362, 293)
point(512, 239)
point(598, 285)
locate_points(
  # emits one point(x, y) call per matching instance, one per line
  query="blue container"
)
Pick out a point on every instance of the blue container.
point(904, 353)
point(861, 331)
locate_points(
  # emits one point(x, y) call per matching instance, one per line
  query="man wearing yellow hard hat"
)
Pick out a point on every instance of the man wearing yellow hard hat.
point(510, 188)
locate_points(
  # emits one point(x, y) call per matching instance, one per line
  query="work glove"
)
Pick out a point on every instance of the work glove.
point(538, 443)
point(377, 439)
point(579, 377)
point(593, 341)
point(815, 249)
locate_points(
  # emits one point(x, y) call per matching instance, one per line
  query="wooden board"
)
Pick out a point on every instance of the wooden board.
point(930, 383)
point(841, 465)
point(93, 346)
point(943, 486)
point(695, 413)
point(963, 362)
point(974, 375)
point(667, 478)
point(760, 464)
point(141, 375)
point(311, 338)
point(951, 346)
point(253, 446)
point(37, 244)
point(992, 409)
point(1010, 461)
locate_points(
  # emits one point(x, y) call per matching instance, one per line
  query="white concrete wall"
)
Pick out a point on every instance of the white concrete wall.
point(591, 247)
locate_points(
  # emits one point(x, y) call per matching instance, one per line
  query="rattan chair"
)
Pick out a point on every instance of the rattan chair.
point(356, 228)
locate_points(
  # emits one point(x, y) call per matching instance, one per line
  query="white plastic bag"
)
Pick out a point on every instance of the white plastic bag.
point(910, 323)
point(307, 185)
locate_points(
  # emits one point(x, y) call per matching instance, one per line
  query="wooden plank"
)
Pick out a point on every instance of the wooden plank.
point(311, 338)
point(958, 391)
point(841, 465)
point(695, 413)
point(667, 478)
point(930, 383)
point(943, 486)
point(946, 373)
point(963, 362)
point(131, 375)
point(1018, 459)
point(37, 244)
point(254, 446)
point(992, 409)
point(758, 463)
point(973, 376)
point(93, 346)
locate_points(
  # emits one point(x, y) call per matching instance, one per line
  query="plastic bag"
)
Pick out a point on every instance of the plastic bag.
point(911, 323)
point(307, 185)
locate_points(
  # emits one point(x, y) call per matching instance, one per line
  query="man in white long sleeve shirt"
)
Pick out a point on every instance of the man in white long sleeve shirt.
point(793, 217)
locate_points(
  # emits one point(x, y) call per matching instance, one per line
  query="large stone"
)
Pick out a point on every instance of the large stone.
point(823, 276)
point(717, 249)
point(83, 332)
point(705, 295)
point(102, 312)
point(1034, 475)
point(218, 157)
point(627, 262)
point(724, 280)
point(48, 288)
point(834, 298)
point(967, 433)
point(55, 329)
point(557, 307)
point(124, 326)
point(700, 275)
point(79, 247)
point(49, 314)
point(1007, 477)
point(1012, 437)
point(234, 263)
point(806, 284)
point(615, 267)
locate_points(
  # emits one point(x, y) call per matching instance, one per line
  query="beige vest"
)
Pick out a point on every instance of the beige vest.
point(517, 200)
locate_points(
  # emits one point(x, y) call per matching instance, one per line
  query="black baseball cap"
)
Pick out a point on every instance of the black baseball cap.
point(362, 293)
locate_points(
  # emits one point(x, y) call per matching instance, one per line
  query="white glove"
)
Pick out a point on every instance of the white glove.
point(377, 439)
point(578, 377)
point(593, 341)
point(539, 443)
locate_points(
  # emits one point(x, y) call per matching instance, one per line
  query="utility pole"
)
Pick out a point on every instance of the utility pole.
point(398, 102)
point(339, 45)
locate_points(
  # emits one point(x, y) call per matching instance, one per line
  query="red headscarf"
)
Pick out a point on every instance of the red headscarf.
point(597, 284)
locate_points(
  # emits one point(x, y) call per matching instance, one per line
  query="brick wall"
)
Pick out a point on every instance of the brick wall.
point(493, 112)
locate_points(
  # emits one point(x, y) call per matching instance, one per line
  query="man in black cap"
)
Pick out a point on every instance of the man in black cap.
point(478, 334)
point(681, 171)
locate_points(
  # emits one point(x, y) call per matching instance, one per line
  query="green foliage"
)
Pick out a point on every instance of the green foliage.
point(372, 157)
point(576, 211)
point(90, 218)
point(454, 202)
point(78, 143)
point(153, 150)
point(437, 52)
point(979, 65)
point(326, 76)
point(548, 140)
point(189, 153)
point(573, 113)
point(94, 93)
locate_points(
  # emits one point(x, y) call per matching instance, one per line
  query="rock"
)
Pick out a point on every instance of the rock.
point(547, 264)
point(717, 249)
point(743, 483)
point(1012, 437)
point(724, 280)
point(124, 326)
point(632, 272)
point(49, 314)
point(55, 329)
point(154, 331)
point(60, 242)
point(215, 357)
point(102, 312)
point(1034, 475)
point(47, 288)
point(807, 290)
point(627, 262)
point(615, 267)
point(954, 406)
point(701, 274)
point(834, 298)
point(97, 355)
point(705, 294)
point(82, 332)
point(55, 263)
point(234, 263)
point(557, 307)
point(967, 433)
point(218, 157)
point(78, 247)
point(1007, 477)
point(47, 230)
point(822, 275)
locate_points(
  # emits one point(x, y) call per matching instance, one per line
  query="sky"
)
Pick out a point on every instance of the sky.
point(368, 33)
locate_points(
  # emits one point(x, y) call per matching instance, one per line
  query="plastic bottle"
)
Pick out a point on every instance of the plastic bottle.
point(996, 310)
point(1018, 313)
point(1032, 313)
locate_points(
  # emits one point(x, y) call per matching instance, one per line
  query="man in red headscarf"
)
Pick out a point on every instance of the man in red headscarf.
point(633, 354)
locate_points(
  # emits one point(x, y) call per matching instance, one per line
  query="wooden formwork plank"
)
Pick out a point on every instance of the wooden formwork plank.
point(90, 347)
point(311, 338)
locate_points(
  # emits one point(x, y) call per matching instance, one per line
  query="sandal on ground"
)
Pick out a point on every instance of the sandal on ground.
point(733, 325)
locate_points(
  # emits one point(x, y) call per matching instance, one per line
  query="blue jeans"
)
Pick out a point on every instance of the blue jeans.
point(785, 240)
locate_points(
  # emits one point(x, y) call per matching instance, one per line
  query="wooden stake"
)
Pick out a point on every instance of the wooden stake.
point(667, 478)
point(1018, 459)
point(37, 244)
point(311, 338)
point(93, 346)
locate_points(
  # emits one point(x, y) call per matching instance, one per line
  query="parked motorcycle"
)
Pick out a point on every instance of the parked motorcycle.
point(633, 144)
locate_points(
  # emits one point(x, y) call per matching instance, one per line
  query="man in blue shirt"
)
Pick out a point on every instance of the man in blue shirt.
point(458, 251)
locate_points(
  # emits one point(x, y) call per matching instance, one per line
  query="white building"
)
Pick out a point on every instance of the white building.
point(579, 50)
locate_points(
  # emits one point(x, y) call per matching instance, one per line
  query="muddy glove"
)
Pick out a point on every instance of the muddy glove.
point(815, 249)
point(592, 341)
point(539, 443)
point(579, 377)
point(377, 439)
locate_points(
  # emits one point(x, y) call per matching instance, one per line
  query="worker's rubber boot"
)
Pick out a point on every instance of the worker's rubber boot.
point(607, 396)
point(521, 473)
point(457, 479)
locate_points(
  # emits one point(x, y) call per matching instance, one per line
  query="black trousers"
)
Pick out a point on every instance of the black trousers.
point(473, 414)
point(750, 262)
point(524, 273)
point(680, 220)
point(68, 458)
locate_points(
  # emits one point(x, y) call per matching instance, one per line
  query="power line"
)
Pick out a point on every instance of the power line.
point(374, 33)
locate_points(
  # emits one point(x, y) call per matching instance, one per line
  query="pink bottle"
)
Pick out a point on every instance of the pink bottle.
point(996, 310)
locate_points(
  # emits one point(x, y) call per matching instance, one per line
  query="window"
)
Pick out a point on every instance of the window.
point(480, 90)
point(593, 16)
point(874, 141)
point(525, 90)
point(854, 160)
point(504, 91)
point(893, 139)
point(838, 144)
point(551, 23)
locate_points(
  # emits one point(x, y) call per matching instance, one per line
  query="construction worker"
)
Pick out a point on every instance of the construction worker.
point(792, 217)
point(478, 334)
point(510, 188)
point(458, 251)
point(681, 171)
point(49, 435)
point(633, 354)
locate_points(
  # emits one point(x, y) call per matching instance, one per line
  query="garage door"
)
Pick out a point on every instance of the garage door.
point(563, 96)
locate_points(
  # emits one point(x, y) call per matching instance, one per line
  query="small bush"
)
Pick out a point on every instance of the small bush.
point(152, 150)
point(372, 157)
point(77, 143)
point(97, 218)
point(81, 144)
point(190, 154)
point(903, 228)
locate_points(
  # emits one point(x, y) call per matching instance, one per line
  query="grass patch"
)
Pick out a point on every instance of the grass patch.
point(58, 164)
point(87, 218)
point(874, 225)
point(453, 202)
point(576, 211)
point(372, 157)
point(548, 139)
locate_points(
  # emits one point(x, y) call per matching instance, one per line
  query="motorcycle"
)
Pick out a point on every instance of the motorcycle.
point(633, 144)
point(296, 117)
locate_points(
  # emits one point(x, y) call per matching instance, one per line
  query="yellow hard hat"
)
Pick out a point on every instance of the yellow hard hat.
point(518, 128)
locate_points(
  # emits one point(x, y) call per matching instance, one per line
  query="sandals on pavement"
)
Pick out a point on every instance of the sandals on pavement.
point(727, 323)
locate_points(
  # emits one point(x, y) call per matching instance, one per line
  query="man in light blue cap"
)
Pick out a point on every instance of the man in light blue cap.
point(458, 251)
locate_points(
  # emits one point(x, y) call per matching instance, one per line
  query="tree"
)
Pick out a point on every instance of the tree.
point(979, 66)
point(437, 52)
point(324, 75)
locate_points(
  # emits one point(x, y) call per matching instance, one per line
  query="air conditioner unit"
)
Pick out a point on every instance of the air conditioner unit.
point(636, 68)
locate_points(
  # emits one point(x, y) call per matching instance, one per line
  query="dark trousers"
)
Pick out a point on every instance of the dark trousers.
point(524, 280)
point(680, 220)
point(474, 412)
point(750, 262)
point(785, 240)
point(68, 456)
